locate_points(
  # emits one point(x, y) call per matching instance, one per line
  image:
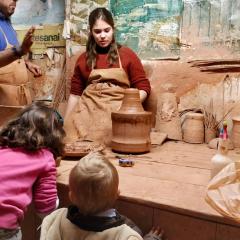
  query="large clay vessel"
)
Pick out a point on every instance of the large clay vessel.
point(131, 125)
point(236, 131)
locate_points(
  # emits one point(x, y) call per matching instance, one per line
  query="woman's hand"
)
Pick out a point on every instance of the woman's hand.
point(33, 68)
point(27, 41)
point(72, 102)
point(143, 95)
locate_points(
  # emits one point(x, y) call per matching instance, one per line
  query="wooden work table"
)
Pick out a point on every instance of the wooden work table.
point(167, 187)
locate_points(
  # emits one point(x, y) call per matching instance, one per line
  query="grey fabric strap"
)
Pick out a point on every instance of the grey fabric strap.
point(151, 236)
point(8, 234)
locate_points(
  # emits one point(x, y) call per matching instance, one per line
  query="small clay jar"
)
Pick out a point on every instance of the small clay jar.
point(131, 125)
point(193, 128)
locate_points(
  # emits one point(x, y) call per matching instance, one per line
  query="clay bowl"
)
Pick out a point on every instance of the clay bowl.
point(81, 148)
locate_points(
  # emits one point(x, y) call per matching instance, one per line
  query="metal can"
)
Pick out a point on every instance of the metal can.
point(124, 162)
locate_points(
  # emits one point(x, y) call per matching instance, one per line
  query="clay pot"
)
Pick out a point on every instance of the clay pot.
point(213, 144)
point(210, 133)
point(236, 132)
point(131, 125)
point(193, 128)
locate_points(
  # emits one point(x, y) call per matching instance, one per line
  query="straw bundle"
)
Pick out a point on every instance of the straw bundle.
point(210, 118)
point(60, 89)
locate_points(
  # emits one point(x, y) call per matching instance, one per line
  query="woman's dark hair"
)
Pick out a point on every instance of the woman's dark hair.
point(37, 126)
point(105, 15)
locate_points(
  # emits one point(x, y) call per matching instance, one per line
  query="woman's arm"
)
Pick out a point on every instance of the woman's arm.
point(77, 85)
point(9, 55)
point(135, 71)
point(33, 68)
point(72, 101)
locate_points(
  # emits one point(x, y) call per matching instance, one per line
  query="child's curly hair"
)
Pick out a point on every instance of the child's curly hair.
point(37, 126)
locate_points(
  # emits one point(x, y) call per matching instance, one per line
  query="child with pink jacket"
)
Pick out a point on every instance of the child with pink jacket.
point(29, 145)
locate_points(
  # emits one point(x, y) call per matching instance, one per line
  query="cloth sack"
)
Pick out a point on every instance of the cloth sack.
point(167, 116)
point(223, 191)
point(15, 95)
point(14, 84)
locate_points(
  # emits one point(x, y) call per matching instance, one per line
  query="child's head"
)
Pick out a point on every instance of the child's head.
point(37, 126)
point(93, 184)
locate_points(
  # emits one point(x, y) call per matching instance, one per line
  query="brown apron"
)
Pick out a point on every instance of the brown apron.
point(91, 118)
point(14, 84)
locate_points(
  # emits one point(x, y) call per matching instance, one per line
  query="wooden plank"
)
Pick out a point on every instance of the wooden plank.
point(195, 21)
point(223, 69)
point(186, 22)
point(209, 62)
point(183, 154)
point(215, 26)
point(141, 215)
point(224, 17)
point(166, 172)
point(235, 15)
point(171, 177)
point(29, 232)
point(183, 227)
point(158, 187)
point(63, 195)
point(188, 197)
point(226, 232)
point(204, 19)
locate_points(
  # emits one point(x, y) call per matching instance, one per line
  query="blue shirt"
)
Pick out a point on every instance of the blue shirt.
point(6, 27)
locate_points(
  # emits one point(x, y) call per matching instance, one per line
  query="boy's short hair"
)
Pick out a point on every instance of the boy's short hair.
point(94, 184)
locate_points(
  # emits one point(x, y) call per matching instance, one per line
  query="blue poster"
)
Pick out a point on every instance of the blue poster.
point(150, 27)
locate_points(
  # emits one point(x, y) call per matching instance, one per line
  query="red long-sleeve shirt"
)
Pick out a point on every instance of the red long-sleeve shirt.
point(130, 63)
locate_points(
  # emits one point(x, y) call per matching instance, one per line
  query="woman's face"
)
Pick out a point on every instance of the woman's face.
point(102, 33)
point(7, 7)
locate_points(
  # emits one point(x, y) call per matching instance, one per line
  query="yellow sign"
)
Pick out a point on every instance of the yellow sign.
point(44, 37)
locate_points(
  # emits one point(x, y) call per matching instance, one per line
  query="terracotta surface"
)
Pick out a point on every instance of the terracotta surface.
point(166, 187)
point(8, 112)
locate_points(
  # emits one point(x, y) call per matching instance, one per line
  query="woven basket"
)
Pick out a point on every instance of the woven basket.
point(193, 128)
